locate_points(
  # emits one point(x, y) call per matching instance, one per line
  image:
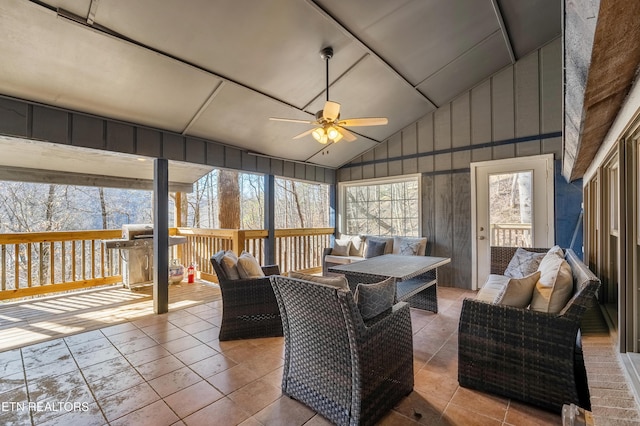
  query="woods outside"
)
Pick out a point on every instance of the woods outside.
point(219, 200)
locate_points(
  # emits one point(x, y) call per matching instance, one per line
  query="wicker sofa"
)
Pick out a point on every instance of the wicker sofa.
point(530, 356)
point(349, 371)
point(358, 249)
point(249, 307)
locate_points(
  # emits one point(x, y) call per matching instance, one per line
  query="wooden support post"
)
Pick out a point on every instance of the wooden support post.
point(333, 211)
point(160, 235)
point(270, 219)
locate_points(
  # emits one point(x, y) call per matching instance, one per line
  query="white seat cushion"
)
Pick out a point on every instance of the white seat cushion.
point(492, 288)
point(342, 260)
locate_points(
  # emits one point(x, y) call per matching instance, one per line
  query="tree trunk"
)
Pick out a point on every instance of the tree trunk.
point(229, 197)
point(296, 198)
point(103, 208)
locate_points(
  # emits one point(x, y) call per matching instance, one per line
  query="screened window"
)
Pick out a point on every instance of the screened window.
point(389, 207)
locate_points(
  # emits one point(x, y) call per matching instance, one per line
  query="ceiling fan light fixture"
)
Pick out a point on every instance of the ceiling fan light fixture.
point(332, 133)
point(318, 134)
point(337, 138)
point(324, 139)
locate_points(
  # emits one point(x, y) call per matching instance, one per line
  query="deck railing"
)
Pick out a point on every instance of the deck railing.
point(511, 234)
point(43, 262)
point(296, 249)
point(37, 263)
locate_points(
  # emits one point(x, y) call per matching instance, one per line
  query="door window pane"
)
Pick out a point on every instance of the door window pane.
point(511, 209)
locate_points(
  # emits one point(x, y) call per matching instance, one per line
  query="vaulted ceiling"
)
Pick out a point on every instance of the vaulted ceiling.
point(219, 69)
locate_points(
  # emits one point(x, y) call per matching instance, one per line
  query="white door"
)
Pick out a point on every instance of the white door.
point(512, 204)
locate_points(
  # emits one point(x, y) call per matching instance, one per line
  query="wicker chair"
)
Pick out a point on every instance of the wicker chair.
point(527, 355)
point(249, 307)
point(349, 371)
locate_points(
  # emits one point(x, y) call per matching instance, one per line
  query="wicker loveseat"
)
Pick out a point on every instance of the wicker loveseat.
point(530, 356)
point(349, 371)
point(249, 307)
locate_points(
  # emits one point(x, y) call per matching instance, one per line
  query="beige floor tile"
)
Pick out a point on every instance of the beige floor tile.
point(233, 378)
point(211, 366)
point(116, 382)
point(181, 344)
point(285, 411)
point(174, 381)
point(92, 416)
point(169, 335)
point(191, 399)
point(256, 395)
point(147, 355)
point(15, 415)
point(457, 415)
point(128, 401)
point(222, 412)
point(96, 357)
point(520, 414)
point(482, 403)
point(154, 414)
point(159, 367)
point(195, 354)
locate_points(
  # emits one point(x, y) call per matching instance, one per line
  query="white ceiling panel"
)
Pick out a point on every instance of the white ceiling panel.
point(531, 23)
point(469, 69)
point(417, 36)
point(247, 125)
point(272, 46)
point(94, 73)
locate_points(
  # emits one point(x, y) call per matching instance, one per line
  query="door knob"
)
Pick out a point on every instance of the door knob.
point(481, 237)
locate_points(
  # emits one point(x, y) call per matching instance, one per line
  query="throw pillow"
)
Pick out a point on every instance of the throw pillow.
point(374, 299)
point(338, 281)
point(229, 265)
point(248, 266)
point(518, 291)
point(411, 246)
point(374, 248)
point(357, 246)
point(523, 263)
point(557, 251)
point(341, 247)
point(555, 285)
point(387, 240)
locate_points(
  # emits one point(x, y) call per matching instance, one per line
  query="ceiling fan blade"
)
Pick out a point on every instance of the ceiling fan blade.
point(292, 120)
point(373, 121)
point(347, 135)
point(303, 134)
point(331, 110)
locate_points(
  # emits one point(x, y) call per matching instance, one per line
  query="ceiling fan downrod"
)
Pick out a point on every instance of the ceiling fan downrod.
point(326, 54)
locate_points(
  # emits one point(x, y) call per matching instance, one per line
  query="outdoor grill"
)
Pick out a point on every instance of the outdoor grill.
point(136, 251)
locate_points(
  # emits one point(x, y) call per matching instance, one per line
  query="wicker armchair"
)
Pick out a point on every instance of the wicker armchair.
point(349, 371)
point(527, 355)
point(249, 307)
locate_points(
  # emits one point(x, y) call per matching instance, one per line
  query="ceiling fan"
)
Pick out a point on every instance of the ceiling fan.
point(328, 125)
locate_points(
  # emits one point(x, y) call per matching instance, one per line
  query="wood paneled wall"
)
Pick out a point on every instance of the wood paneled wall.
point(517, 112)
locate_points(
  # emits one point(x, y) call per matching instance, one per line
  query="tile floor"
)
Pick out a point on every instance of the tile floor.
point(171, 370)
